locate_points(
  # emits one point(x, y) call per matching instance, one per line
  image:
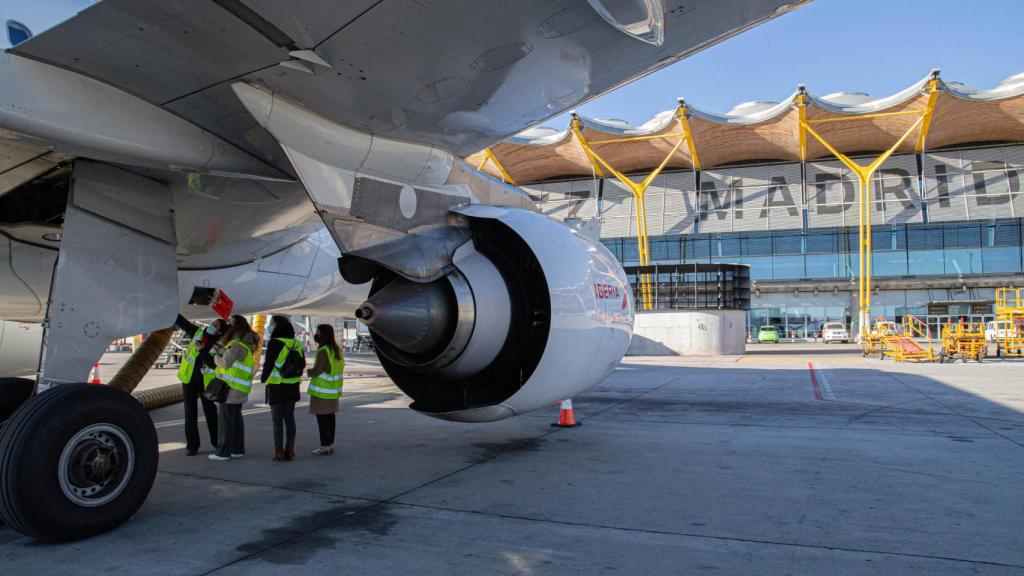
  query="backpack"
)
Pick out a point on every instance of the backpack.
point(294, 363)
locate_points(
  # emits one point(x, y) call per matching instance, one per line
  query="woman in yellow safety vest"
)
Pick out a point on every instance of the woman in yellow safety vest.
point(282, 380)
point(325, 386)
point(195, 373)
point(234, 361)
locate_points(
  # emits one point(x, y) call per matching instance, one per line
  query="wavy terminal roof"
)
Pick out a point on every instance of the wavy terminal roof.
point(766, 131)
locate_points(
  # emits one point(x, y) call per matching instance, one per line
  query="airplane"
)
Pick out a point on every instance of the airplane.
point(304, 157)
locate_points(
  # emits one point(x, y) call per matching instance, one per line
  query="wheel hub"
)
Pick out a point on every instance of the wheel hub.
point(96, 465)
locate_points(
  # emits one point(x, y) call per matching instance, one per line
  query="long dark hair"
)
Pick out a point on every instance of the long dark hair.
point(282, 327)
point(326, 338)
point(239, 328)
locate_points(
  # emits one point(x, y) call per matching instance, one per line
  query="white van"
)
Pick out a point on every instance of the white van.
point(999, 329)
point(834, 332)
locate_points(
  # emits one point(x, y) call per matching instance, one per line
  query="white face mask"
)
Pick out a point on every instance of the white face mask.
point(211, 330)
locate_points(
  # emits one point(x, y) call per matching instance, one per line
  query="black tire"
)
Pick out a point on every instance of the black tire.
point(65, 443)
point(13, 393)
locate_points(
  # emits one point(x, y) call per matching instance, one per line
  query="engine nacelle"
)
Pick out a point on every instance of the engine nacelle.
point(529, 313)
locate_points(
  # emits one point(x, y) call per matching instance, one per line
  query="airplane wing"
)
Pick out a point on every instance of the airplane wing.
point(459, 74)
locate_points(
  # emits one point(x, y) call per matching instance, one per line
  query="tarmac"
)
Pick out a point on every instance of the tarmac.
point(791, 459)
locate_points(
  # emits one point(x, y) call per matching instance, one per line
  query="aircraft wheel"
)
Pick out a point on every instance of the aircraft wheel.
point(13, 393)
point(76, 461)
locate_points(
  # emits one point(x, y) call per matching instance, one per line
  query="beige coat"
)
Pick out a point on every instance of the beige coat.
point(226, 357)
point(321, 406)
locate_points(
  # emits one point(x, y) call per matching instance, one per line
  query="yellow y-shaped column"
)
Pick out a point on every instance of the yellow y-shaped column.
point(864, 174)
point(490, 157)
point(638, 188)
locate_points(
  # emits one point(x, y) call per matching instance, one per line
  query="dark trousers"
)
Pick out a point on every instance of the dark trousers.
point(231, 427)
point(193, 394)
point(283, 415)
point(326, 423)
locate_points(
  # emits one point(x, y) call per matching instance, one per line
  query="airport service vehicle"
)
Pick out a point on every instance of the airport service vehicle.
point(999, 330)
point(767, 334)
point(1009, 332)
point(301, 156)
point(834, 332)
point(964, 341)
point(872, 342)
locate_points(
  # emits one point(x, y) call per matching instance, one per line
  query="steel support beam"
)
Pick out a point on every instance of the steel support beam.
point(637, 188)
point(490, 157)
point(864, 174)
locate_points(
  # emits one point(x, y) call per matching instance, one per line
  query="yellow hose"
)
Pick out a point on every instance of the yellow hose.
point(153, 398)
point(129, 376)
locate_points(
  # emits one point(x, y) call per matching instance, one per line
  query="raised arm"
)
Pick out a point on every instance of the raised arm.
point(186, 326)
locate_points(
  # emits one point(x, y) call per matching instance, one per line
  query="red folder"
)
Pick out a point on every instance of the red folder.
point(222, 305)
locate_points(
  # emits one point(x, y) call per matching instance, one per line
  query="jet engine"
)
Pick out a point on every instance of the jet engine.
point(529, 313)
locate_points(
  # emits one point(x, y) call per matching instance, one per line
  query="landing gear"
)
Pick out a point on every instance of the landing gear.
point(75, 461)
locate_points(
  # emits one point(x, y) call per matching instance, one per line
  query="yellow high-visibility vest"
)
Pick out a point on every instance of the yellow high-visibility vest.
point(188, 359)
point(275, 376)
point(328, 384)
point(239, 374)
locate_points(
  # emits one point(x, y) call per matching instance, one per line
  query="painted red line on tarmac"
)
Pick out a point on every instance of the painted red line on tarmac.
point(814, 381)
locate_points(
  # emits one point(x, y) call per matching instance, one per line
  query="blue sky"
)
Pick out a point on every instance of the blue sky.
point(873, 46)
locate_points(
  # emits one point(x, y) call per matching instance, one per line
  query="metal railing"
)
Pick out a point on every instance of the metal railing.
point(692, 286)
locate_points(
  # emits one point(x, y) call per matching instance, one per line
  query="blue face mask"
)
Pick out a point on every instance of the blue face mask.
point(211, 330)
point(272, 326)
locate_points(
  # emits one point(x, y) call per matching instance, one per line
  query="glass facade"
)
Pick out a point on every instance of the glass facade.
point(900, 250)
point(950, 213)
point(936, 249)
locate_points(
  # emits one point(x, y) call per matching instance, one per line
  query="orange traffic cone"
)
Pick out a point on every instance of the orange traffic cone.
point(94, 375)
point(566, 417)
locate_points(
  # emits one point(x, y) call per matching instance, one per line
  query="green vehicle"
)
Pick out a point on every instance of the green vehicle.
point(767, 334)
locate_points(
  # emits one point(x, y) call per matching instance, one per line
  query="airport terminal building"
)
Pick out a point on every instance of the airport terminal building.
point(762, 186)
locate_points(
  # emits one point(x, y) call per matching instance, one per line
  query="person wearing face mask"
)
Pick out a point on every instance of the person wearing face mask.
point(234, 367)
point(325, 386)
point(195, 373)
point(282, 378)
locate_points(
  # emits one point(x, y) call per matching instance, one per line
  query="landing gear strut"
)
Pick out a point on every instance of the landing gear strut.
point(76, 461)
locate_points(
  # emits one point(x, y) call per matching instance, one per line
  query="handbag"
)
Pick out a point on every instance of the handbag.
point(217, 391)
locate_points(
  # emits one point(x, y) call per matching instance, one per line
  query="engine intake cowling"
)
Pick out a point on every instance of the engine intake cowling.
point(529, 313)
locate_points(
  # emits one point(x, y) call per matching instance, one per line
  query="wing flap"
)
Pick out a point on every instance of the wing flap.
point(158, 50)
